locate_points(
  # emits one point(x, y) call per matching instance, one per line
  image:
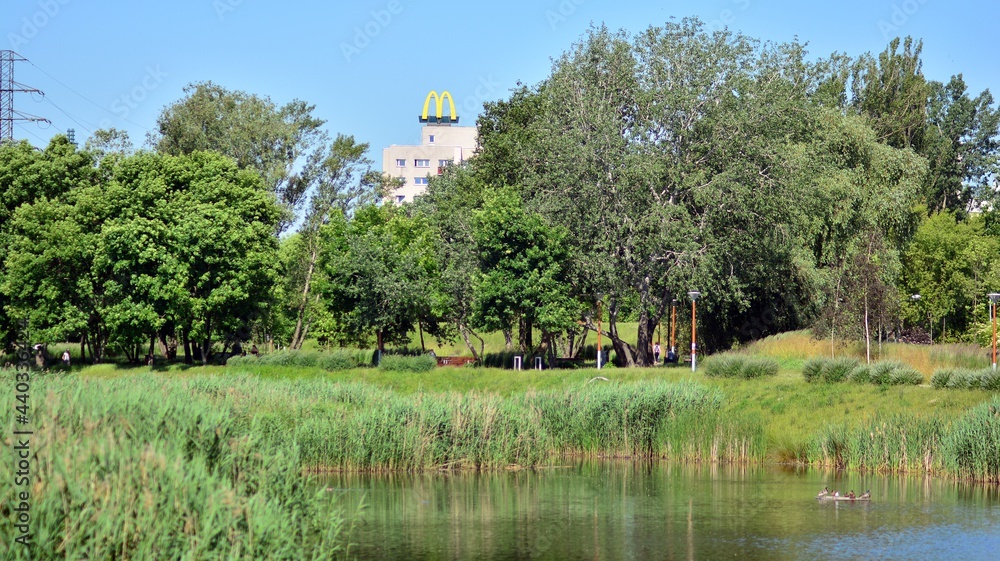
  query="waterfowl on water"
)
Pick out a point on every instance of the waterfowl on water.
point(867, 494)
point(851, 495)
point(836, 494)
point(823, 493)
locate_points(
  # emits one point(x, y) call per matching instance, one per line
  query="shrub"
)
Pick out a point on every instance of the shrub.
point(906, 376)
point(882, 372)
point(862, 374)
point(838, 369)
point(337, 360)
point(813, 369)
point(740, 366)
point(397, 363)
point(941, 377)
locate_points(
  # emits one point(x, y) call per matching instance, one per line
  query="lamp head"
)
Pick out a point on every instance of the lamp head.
point(915, 297)
point(694, 295)
point(994, 297)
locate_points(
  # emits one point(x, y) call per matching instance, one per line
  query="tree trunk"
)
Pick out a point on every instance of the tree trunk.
point(508, 338)
point(465, 331)
point(644, 339)
point(83, 349)
point(188, 359)
point(298, 337)
point(624, 353)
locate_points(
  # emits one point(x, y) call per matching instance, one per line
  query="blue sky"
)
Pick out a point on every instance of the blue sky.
point(368, 65)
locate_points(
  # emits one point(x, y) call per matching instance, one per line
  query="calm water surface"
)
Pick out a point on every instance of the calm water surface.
point(625, 510)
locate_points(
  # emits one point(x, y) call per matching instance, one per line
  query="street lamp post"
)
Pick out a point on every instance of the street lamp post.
point(599, 348)
point(694, 295)
point(673, 328)
point(994, 298)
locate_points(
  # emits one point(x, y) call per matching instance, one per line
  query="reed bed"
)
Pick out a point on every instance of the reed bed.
point(973, 445)
point(144, 468)
point(883, 443)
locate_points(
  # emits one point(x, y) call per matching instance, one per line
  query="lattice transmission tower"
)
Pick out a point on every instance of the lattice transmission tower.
point(8, 87)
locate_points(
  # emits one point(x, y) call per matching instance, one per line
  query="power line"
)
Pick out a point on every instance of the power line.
point(72, 118)
point(92, 102)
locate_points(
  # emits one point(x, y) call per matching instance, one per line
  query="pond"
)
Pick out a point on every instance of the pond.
point(639, 510)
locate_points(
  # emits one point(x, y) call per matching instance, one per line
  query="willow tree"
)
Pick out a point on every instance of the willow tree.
point(658, 151)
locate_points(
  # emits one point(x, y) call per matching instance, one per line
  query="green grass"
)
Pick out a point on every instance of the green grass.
point(152, 467)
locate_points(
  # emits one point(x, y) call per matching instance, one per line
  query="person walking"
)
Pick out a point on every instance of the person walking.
point(65, 359)
point(656, 353)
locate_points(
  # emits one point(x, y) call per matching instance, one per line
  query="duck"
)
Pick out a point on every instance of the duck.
point(823, 493)
point(851, 495)
point(836, 494)
point(867, 494)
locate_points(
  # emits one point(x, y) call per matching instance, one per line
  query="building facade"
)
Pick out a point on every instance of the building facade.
point(442, 143)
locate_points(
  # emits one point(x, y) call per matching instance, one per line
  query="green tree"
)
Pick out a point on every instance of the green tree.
point(252, 130)
point(523, 264)
point(26, 177)
point(952, 264)
point(961, 146)
point(168, 243)
point(892, 93)
point(339, 179)
point(379, 270)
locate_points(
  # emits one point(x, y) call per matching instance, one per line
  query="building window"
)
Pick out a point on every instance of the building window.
point(400, 162)
point(420, 181)
point(422, 163)
point(432, 139)
point(444, 163)
point(400, 199)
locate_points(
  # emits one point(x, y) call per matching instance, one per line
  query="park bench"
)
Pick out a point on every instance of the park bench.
point(454, 360)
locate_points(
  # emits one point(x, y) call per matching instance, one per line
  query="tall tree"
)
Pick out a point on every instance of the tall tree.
point(523, 263)
point(27, 176)
point(379, 270)
point(339, 179)
point(961, 146)
point(892, 92)
point(252, 130)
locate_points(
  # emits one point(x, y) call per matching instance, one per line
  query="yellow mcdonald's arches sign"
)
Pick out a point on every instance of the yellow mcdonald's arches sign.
point(439, 102)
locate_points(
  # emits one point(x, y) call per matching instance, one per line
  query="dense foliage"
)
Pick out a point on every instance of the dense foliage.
point(790, 191)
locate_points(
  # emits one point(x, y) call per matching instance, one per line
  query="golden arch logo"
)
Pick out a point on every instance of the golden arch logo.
point(439, 116)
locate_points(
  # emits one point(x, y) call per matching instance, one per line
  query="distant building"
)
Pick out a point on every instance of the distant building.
point(442, 143)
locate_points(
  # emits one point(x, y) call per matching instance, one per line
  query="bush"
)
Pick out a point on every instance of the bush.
point(838, 369)
point(337, 360)
point(941, 377)
point(862, 374)
point(813, 369)
point(906, 376)
point(397, 363)
point(740, 366)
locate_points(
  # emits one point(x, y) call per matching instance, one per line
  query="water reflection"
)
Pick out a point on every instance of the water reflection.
point(629, 510)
